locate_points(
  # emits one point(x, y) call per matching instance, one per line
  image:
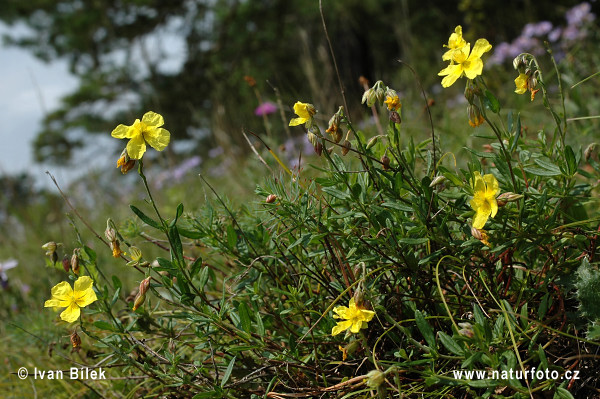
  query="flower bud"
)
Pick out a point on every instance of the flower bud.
point(466, 330)
point(139, 301)
point(589, 151)
point(66, 264)
point(395, 117)
point(504, 198)
point(375, 378)
point(346, 145)
point(439, 179)
point(144, 285)
point(75, 261)
point(110, 234)
point(75, 340)
point(271, 198)
point(480, 235)
point(372, 142)
point(385, 162)
point(50, 247)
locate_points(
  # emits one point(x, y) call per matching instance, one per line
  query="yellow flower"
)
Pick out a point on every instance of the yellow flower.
point(521, 83)
point(63, 296)
point(146, 131)
point(484, 198)
point(356, 318)
point(304, 111)
point(465, 62)
point(455, 43)
point(393, 103)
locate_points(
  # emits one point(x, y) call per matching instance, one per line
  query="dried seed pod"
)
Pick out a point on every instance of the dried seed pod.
point(271, 198)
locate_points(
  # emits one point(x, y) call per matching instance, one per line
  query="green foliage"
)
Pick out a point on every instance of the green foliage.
point(239, 300)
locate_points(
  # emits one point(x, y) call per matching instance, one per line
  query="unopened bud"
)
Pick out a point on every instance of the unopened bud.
point(49, 247)
point(589, 151)
point(75, 340)
point(476, 233)
point(475, 116)
point(466, 330)
point(395, 117)
point(110, 234)
point(75, 261)
point(439, 179)
point(372, 142)
point(271, 198)
point(346, 145)
point(504, 198)
point(375, 378)
point(359, 295)
point(66, 263)
point(385, 162)
point(139, 301)
point(144, 285)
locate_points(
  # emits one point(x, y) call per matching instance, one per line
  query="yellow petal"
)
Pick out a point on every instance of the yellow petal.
point(521, 83)
point(481, 216)
point(121, 132)
point(478, 183)
point(153, 119)
point(55, 303)
point(481, 46)
point(84, 291)
point(341, 326)
point(453, 71)
point(297, 121)
point(62, 292)
point(491, 185)
point(341, 311)
point(158, 138)
point(71, 313)
point(473, 68)
point(367, 315)
point(356, 326)
point(136, 147)
point(493, 204)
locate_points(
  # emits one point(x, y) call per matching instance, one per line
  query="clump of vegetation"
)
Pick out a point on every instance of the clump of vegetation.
point(391, 269)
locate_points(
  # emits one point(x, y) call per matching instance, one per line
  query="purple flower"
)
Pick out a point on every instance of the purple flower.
point(580, 14)
point(555, 34)
point(265, 108)
point(537, 29)
point(185, 167)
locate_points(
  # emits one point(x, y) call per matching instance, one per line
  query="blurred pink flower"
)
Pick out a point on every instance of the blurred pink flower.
point(265, 108)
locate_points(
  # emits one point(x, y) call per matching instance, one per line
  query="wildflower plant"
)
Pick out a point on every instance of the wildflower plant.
point(470, 261)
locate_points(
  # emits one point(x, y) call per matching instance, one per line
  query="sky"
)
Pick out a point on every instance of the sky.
point(29, 88)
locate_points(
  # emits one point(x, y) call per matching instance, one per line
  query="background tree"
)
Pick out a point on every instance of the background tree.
point(187, 58)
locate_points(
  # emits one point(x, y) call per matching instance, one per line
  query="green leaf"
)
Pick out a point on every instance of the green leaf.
point(541, 172)
point(336, 193)
point(102, 325)
point(176, 247)
point(203, 278)
point(178, 213)
point(562, 393)
point(231, 237)
point(145, 218)
point(425, 329)
point(491, 102)
point(450, 344)
point(196, 267)
point(413, 241)
point(543, 359)
point(244, 313)
point(571, 161)
point(228, 372)
point(398, 206)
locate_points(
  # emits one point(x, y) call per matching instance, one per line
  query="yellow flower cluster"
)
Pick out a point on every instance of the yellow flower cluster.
point(463, 60)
